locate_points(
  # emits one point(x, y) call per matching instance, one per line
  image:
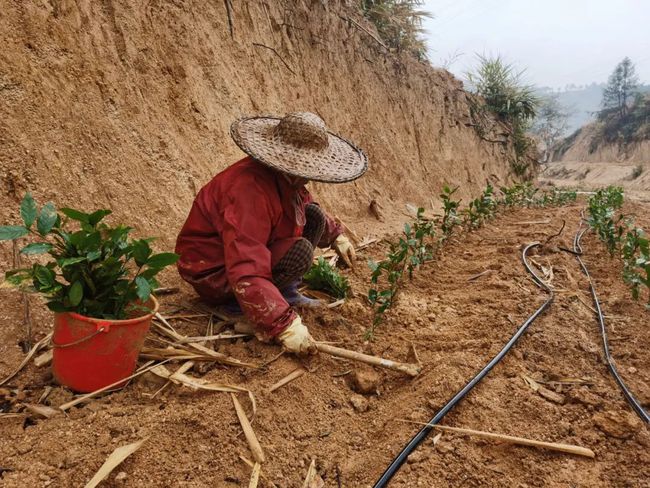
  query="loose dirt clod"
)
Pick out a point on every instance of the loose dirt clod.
point(621, 425)
point(365, 381)
point(359, 403)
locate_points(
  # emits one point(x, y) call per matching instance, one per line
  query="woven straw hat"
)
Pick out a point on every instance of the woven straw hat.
point(300, 144)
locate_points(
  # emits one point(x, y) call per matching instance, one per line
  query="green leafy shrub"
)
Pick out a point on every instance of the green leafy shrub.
point(635, 253)
point(481, 209)
point(505, 94)
point(450, 218)
point(556, 198)
point(602, 216)
point(399, 24)
point(92, 269)
point(323, 276)
point(520, 194)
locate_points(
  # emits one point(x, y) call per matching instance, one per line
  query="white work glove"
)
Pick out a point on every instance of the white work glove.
point(345, 249)
point(296, 338)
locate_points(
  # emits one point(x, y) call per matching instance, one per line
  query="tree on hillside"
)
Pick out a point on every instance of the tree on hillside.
point(621, 88)
point(550, 124)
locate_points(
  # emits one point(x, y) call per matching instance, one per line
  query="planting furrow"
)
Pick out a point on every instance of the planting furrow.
point(577, 249)
point(424, 432)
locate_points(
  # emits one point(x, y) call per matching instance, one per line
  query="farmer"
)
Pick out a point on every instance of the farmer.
point(251, 232)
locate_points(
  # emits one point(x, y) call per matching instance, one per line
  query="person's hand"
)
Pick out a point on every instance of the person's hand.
point(296, 338)
point(345, 250)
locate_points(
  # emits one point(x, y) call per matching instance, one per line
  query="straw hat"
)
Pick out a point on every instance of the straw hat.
point(300, 144)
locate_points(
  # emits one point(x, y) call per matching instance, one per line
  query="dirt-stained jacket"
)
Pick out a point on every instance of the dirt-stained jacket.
point(241, 223)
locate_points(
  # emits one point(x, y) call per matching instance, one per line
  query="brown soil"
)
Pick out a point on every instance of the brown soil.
point(456, 326)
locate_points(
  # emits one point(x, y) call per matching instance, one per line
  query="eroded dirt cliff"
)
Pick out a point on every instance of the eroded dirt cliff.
point(127, 105)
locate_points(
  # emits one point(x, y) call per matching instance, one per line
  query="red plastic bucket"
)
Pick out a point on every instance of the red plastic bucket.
point(90, 353)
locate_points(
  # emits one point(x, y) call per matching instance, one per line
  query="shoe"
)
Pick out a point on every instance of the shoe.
point(297, 299)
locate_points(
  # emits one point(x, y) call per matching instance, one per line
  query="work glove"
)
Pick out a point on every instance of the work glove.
point(296, 338)
point(345, 250)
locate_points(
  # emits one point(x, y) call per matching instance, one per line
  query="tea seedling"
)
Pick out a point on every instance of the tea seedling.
point(450, 218)
point(481, 209)
point(602, 208)
point(407, 254)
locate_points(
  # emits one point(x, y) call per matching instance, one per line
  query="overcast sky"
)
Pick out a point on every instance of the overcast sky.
point(559, 41)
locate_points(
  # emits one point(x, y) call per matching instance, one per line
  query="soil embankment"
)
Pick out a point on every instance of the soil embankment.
point(127, 105)
point(586, 146)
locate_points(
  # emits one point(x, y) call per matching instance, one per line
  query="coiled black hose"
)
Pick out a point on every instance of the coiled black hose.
point(603, 332)
point(424, 432)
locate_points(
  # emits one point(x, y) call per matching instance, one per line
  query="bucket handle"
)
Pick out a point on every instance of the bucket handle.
point(101, 327)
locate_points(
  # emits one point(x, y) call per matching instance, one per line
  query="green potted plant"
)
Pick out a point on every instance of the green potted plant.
point(98, 282)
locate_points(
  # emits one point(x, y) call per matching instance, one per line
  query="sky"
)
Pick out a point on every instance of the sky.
point(559, 42)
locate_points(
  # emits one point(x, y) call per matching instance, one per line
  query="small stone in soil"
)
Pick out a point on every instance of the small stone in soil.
point(365, 381)
point(359, 403)
point(415, 457)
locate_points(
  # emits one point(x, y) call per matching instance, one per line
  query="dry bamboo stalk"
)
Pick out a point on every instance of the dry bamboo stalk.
point(553, 446)
point(252, 464)
point(255, 476)
point(335, 304)
point(215, 337)
point(35, 348)
point(253, 443)
point(116, 457)
point(360, 27)
point(92, 394)
point(534, 222)
point(296, 373)
point(311, 474)
point(43, 359)
point(222, 358)
point(409, 369)
point(478, 275)
point(183, 369)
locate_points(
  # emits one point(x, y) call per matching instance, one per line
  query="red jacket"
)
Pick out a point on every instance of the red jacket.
point(241, 223)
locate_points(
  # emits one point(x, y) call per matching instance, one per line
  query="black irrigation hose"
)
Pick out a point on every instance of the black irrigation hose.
point(603, 332)
point(424, 432)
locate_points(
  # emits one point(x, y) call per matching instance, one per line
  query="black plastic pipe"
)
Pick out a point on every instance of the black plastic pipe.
point(603, 331)
point(424, 432)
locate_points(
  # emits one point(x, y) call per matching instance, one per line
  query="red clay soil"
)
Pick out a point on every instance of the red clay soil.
point(455, 325)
